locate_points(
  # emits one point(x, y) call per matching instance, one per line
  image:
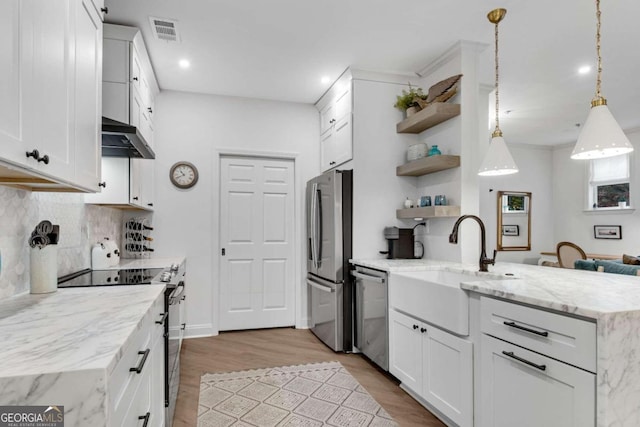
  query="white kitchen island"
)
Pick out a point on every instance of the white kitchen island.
point(610, 301)
point(75, 347)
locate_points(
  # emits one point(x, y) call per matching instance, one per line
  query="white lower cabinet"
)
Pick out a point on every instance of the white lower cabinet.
point(537, 368)
point(526, 389)
point(136, 385)
point(435, 365)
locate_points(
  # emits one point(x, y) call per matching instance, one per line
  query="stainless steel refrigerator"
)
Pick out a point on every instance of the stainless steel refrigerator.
point(329, 218)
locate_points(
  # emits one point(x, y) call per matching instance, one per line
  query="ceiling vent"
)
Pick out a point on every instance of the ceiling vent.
point(165, 29)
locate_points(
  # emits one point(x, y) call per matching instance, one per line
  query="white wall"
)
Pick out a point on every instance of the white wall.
point(463, 136)
point(377, 150)
point(196, 128)
point(537, 177)
point(572, 223)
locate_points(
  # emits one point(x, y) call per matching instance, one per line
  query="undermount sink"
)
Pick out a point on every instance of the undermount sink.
point(435, 296)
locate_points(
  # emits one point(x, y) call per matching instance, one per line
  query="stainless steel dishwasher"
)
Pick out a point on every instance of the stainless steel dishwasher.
point(371, 315)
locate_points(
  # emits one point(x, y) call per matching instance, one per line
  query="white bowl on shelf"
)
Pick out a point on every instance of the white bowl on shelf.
point(417, 151)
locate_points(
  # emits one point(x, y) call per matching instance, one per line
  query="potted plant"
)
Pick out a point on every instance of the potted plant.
point(409, 100)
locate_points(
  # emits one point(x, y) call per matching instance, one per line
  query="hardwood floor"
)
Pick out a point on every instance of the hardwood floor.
point(236, 351)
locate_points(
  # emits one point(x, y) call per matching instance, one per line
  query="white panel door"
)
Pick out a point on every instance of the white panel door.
point(14, 137)
point(448, 374)
point(405, 350)
point(88, 99)
point(50, 91)
point(256, 237)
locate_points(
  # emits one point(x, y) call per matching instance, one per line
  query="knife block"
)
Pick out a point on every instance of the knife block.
point(44, 269)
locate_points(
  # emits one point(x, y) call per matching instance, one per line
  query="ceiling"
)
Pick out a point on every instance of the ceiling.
point(280, 49)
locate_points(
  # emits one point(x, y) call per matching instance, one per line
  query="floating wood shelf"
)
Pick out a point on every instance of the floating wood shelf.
point(434, 114)
point(428, 212)
point(428, 165)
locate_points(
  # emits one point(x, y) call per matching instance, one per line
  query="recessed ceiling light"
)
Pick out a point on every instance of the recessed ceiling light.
point(325, 80)
point(584, 69)
point(184, 63)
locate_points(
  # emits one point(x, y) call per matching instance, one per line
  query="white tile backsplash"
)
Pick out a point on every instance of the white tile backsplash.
point(80, 227)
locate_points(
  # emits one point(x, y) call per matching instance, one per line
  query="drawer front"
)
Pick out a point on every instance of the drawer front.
point(123, 382)
point(138, 405)
point(522, 388)
point(561, 337)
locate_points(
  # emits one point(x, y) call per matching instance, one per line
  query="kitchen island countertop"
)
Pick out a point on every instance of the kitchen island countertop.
point(612, 300)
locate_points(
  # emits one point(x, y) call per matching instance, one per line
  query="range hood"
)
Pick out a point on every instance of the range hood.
point(123, 140)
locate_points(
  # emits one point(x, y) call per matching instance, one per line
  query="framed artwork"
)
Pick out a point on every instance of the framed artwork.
point(515, 203)
point(607, 231)
point(510, 230)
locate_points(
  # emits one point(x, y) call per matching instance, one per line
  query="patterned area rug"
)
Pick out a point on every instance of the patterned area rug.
point(319, 394)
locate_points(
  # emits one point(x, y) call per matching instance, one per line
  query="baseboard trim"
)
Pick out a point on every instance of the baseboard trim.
point(199, 331)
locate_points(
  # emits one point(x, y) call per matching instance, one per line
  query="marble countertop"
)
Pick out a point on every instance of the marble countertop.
point(585, 293)
point(146, 263)
point(73, 329)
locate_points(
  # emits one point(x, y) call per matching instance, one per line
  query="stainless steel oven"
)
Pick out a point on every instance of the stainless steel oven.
point(174, 332)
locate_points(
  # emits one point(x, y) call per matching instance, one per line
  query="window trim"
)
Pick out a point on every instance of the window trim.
point(592, 187)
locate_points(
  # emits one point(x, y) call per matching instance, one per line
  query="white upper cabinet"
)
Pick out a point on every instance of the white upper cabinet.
point(88, 95)
point(129, 83)
point(128, 183)
point(336, 136)
point(49, 94)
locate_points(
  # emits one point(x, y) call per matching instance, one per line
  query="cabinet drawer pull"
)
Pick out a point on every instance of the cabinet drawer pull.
point(145, 417)
point(162, 319)
point(135, 79)
point(44, 159)
point(136, 198)
point(415, 327)
point(138, 369)
point(423, 330)
point(525, 361)
point(102, 184)
point(104, 10)
point(522, 328)
point(184, 325)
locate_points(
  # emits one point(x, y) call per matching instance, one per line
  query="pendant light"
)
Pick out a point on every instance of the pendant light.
point(498, 160)
point(601, 136)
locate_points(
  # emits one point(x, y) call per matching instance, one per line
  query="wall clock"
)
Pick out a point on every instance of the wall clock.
point(183, 175)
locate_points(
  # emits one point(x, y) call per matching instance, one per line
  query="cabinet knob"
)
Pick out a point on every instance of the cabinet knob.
point(332, 163)
point(150, 204)
point(33, 153)
point(423, 330)
point(415, 327)
point(135, 198)
point(104, 10)
point(149, 109)
point(102, 184)
point(44, 159)
point(135, 79)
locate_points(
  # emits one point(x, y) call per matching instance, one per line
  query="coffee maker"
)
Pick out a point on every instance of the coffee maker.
point(400, 243)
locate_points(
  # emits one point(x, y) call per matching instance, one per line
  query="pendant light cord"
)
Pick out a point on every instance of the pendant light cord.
point(497, 131)
point(599, 99)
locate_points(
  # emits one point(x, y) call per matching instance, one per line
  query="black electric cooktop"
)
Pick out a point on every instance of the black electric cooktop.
point(88, 277)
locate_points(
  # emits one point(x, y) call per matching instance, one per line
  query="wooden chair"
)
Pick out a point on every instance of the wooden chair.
point(568, 253)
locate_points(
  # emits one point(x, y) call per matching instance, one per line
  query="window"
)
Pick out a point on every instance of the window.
point(609, 182)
